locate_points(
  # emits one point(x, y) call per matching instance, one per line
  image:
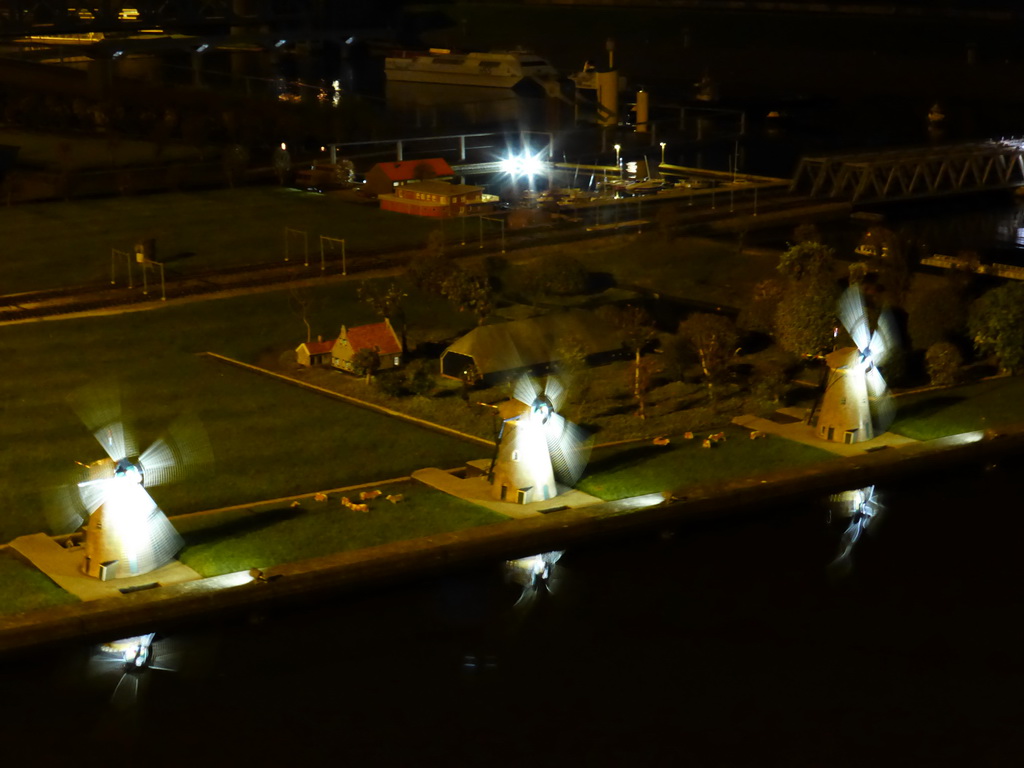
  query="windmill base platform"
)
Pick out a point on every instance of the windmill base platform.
point(799, 431)
point(63, 566)
point(471, 484)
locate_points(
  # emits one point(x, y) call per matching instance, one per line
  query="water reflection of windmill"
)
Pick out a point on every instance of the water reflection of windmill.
point(537, 448)
point(127, 660)
point(533, 574)
point(857, 405)
point(126, 532)
point(862, 507)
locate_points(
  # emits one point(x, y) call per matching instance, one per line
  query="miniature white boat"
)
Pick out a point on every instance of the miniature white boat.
point(496, 69)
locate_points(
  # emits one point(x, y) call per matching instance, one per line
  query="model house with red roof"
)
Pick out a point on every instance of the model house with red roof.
point(380, 337)
point(313, 353)
point(384, 178)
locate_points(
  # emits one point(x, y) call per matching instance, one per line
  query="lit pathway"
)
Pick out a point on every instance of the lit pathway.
point(792, 427)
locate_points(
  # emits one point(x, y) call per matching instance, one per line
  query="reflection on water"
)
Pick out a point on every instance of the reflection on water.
point(860, 508)
point(722, 643)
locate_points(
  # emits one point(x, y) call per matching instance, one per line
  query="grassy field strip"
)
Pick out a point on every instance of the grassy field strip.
point(354, 401)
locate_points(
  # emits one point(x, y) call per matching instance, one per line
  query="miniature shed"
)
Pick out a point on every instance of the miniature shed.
point(313, 353)
point(501, 349)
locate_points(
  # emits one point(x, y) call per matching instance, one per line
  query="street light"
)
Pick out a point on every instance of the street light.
point(663, 153)
point(617, 148)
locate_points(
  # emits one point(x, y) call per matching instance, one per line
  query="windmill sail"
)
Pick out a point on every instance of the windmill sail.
point(126, 531)
point(538, 448)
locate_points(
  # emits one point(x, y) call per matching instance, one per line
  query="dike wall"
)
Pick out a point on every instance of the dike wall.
point(163, 608)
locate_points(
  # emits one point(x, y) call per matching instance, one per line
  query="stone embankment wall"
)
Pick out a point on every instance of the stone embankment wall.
point(163, 608)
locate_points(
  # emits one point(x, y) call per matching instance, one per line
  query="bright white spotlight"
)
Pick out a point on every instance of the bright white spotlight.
point(522, 165)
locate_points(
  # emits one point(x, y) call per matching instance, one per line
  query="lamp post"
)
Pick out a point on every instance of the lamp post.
point(618, 147)
point(663, 153)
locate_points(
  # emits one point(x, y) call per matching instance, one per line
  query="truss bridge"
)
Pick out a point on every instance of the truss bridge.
point(59, 17)
point(913, 173)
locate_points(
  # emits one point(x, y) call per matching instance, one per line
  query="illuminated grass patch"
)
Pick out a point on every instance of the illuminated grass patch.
point(623, 471)
point(285, 534)
point(945, 412)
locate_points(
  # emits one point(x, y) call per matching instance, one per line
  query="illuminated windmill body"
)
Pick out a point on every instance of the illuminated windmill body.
point(126, 533)
point(857, 405)
point(537, 447)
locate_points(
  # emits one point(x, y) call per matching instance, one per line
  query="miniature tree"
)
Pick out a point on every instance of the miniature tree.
point(758, 313)
point(943, 361)
point(571, 356)
point(301, 301)
point(996, 324)
point(805, 319)
point(470, 290)
point(388, 300)
point(366, 362)
point(713, 338)
point(420, 379)
point(636, 329)
point(806, 260)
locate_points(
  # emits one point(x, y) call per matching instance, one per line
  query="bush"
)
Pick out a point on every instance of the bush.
point(420, 380)
point(770, 382)
point(391, 383)
point(943, 361)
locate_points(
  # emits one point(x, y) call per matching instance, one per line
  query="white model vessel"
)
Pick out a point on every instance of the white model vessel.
point(496, 69)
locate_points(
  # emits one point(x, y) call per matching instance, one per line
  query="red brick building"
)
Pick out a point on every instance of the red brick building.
point(436, 198)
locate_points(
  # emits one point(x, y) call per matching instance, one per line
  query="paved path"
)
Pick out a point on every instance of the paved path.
point(64, 566)
point(792, 427)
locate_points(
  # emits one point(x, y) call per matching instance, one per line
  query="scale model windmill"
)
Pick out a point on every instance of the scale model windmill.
point(857, 405)
point(126, 533)
point(537, 447)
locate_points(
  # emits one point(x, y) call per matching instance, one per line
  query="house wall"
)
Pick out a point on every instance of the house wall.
point(437, 211)
point(342, 360)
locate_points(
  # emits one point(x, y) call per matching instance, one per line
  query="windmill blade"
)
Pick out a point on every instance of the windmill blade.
point(525, 390)
point(94, 493)
point(885, 338)
point(148, 540)
point(569, 447)
point(126, 693)
point(554, 390)
point(183, 449)
point(99, 408)
point(854, 317)
point(883, 407)
point(64, 506)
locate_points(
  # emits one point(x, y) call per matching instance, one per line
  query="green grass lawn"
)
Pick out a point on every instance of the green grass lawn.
point(269, 439)
point(49, 245)
point(321, 528)
point(622, 471)
point(943, 412)
point(23, 588)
